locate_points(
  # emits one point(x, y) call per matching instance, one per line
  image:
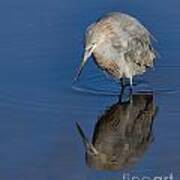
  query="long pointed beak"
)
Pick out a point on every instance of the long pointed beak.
point(83, 62)
point(88, 146)
point(87, 54)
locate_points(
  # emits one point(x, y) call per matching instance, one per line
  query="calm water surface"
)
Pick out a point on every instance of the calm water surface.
point(41, 46)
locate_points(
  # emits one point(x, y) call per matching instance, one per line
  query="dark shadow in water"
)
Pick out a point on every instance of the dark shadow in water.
point(122, 134)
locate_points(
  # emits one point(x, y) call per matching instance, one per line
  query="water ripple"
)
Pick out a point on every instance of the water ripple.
point(160, 81)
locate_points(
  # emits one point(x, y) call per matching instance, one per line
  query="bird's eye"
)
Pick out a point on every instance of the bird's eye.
point(88, 49)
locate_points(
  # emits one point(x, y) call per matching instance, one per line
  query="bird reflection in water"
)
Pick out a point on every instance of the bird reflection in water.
point(122, 134)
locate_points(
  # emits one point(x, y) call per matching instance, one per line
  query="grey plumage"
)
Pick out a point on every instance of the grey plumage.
point(120, 44)
point(122, 134)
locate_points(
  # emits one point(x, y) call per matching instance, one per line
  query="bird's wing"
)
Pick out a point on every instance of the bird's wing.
point(133, 26)
point(140, 51)
point(135, 44)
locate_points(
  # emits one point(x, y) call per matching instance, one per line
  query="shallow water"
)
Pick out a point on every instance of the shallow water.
point(41, 46)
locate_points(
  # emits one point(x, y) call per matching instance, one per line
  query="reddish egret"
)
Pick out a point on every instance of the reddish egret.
point(120, 45)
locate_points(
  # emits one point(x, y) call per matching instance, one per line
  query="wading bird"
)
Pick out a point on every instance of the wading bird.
point(120, 45)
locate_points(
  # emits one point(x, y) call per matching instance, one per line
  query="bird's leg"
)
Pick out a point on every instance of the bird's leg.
point(131, 84)
point(122, 82)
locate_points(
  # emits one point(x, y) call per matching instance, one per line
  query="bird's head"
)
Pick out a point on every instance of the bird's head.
point(93, 38)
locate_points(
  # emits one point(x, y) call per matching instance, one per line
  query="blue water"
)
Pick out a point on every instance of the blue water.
point(41, 45)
